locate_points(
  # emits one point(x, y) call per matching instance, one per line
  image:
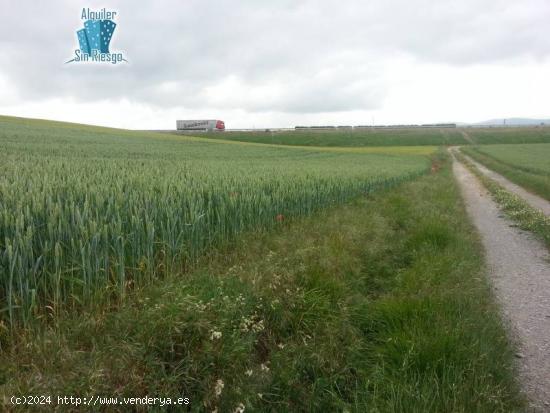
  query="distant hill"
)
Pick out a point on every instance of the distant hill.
point(514, 121)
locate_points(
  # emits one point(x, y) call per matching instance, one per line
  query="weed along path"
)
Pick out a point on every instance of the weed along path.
point(534, 200)
point(519, 268)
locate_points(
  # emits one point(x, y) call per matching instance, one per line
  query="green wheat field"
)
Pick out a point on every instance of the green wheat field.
point(287, 272)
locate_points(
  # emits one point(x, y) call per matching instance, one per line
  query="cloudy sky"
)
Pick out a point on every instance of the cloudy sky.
point(259, 63)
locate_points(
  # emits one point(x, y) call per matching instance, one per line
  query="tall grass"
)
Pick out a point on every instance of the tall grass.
point(88, 213)
point(378, 305)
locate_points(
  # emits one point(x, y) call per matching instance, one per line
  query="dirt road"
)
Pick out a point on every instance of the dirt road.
point(519, 270)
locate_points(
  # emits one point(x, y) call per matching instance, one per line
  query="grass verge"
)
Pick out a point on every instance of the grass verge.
point(515, 207)
point(538, 184)
point(378, 305)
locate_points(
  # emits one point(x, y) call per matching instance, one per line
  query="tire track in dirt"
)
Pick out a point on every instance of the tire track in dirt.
point(519, 271)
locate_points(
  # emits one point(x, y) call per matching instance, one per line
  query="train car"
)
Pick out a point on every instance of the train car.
point(201, 124)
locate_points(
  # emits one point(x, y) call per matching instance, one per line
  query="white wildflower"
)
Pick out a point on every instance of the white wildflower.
point(239, 408)
point(252, 323)
point(215, 335)
point(264, 367)
point(258, 326)
point(219, 387)
point(248, 372)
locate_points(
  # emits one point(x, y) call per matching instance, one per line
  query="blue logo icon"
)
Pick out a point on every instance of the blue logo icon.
point(96, 35)
point(94, 39)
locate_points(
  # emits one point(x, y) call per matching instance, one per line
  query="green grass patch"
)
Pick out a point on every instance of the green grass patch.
point(510, 135)
point(534, 158)
point(377, 305)
point(348, 137)
point(526, 165)
point(515, 207)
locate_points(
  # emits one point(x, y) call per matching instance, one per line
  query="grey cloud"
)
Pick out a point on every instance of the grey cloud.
point(310, 56)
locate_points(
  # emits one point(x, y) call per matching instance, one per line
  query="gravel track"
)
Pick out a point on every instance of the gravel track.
point(519, 271)
point(534, 200)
